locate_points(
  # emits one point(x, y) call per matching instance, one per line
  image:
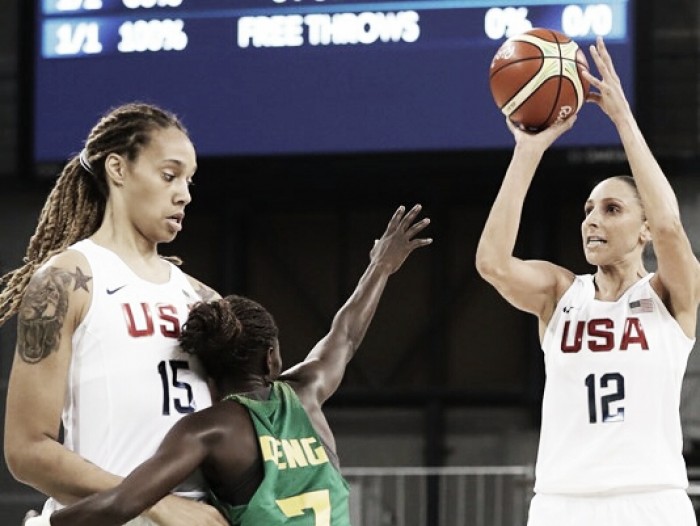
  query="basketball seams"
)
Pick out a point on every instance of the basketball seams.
point(537, 94)
point(548, 69)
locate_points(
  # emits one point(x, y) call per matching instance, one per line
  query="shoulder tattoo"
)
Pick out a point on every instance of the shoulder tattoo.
point(43, 311)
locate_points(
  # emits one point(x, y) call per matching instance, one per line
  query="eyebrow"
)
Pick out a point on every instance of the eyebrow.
point(179, 163)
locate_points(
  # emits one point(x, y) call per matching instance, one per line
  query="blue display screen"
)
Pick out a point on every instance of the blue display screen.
point(266, 77)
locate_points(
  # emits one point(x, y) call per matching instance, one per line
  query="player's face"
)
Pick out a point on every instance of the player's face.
point(157, 184)
point(613, 227)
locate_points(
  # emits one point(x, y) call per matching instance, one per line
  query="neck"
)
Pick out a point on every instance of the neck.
point(241, 386)
point(611, 283)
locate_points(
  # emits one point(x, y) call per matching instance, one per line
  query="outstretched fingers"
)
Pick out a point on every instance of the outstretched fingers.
point(408, 219)
point(416, 228)
point(395, 220)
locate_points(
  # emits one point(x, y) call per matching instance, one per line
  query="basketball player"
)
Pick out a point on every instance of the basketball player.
point(615, 342)
point(99, 315)
point(266, 448)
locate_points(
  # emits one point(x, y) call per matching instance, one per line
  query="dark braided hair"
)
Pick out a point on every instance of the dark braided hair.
point(75, 207)
point(231, 335)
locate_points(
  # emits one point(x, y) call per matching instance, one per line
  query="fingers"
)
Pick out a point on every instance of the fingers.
point(408, 219)
point(420, 242)
point(602, 50)
point(417, 227)
point(395, 219)
point(603, 61)
point(594, 81)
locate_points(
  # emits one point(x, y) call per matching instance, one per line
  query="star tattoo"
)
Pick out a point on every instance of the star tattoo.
point(81, 280)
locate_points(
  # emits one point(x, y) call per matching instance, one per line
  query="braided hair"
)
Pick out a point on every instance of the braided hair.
point(75, 206)
point(230, 336)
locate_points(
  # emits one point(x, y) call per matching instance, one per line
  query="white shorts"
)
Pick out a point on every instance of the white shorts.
point(656, 508)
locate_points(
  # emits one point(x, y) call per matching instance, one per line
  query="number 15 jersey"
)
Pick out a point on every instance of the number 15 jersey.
point(129, 382)
point(610, 413)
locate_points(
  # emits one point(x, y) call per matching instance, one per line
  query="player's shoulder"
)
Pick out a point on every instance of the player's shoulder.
point(68, 269)
point(217, 421)
point(205, 292)
point(64, 282)
point(66, 260)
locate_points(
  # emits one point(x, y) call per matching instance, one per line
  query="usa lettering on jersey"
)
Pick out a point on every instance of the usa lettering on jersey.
point(598, 335)
point(142, 319)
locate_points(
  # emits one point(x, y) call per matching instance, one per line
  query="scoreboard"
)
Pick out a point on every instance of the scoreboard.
point(265, 77)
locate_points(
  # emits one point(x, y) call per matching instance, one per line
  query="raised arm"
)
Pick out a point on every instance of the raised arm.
point(530, 285)
point(678, 274)
point(320, 374)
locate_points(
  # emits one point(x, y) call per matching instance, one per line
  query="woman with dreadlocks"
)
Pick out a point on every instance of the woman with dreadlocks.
point(99, 314)
point(265, 448)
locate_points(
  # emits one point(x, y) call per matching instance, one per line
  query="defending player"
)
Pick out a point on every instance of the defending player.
point(615, 343)
point(266, 449)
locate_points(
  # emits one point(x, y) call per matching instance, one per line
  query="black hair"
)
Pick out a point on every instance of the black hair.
point(231, 336)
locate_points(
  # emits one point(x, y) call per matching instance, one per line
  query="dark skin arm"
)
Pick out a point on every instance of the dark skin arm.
point(319, 375)
point(200, 439)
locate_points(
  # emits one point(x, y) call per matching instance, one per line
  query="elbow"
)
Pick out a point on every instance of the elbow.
point(20, 459)
point(488, 267)
point(27, 458)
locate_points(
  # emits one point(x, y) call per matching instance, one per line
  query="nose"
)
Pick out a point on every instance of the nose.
point(592, 218)
point(183, 195)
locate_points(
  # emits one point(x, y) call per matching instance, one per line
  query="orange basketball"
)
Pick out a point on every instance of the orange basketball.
point(536, 80)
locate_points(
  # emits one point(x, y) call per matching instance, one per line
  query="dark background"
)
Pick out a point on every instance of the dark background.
point(294, 233)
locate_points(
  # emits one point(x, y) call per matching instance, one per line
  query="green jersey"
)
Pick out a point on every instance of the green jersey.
point(301, 487)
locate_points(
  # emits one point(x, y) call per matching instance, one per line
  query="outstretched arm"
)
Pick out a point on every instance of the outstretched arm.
point(183, 449)
point(323, 369)
point(678, 269)
point(531, 286)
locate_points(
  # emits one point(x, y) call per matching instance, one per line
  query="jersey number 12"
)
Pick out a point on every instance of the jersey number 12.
point(607, 380)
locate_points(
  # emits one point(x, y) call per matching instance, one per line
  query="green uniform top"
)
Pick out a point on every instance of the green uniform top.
point(301, 487)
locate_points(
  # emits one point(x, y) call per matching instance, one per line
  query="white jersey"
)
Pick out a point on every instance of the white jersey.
point(610, 414)
point(129, 382)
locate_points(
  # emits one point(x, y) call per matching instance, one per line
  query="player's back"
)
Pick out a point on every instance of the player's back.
point(300, 480)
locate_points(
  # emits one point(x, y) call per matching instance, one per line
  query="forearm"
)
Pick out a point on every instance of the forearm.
point(660, 203)
point(500, 232)
point(99, 508)
point(356, 314)
point(56, 471)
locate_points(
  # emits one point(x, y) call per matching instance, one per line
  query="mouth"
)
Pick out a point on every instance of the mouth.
point(595, 241)
point(175, 221)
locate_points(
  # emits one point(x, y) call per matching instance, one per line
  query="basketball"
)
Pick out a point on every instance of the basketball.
point(536, 80)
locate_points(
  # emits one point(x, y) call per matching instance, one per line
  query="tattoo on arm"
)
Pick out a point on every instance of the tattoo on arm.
point(43, 311)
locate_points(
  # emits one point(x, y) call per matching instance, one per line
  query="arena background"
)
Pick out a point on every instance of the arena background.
point(449, 374)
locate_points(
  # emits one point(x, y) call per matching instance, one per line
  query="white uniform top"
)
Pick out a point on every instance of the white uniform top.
point(610, 414)
point(129, 382)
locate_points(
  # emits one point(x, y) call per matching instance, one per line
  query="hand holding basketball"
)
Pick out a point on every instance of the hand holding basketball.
point(536, 78)
point(543, 139)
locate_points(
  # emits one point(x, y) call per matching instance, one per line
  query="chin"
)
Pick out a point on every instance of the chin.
point(592, 259)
